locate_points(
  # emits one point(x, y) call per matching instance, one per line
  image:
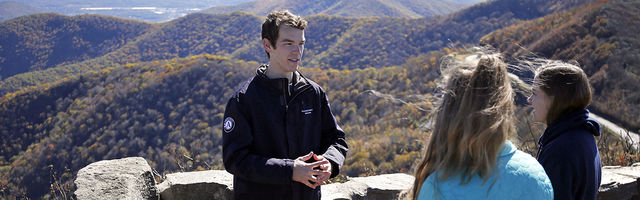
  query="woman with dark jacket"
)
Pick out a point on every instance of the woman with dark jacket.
point(567, 149)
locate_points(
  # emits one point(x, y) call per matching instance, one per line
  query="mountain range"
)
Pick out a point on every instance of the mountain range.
point(10, 9)
point(165, 10)
point(159, 90)
point(602, 38)
point(43, 41)
point(347, 8)
point(151, 11)
point(334, 42)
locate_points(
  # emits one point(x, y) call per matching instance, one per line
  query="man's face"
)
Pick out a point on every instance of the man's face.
point(288, 52)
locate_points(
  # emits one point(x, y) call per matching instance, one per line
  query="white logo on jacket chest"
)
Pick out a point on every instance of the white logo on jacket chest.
point(307, 111)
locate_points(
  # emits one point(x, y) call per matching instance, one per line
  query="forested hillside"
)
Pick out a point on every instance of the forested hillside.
point(347, 8)
point(192, 35)
point(602, 37)
point(333, 42)
point(168, 111)
point(41, 41)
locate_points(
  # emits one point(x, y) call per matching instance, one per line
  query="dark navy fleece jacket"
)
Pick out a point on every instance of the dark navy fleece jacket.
point(570, 156)
point(269, 123)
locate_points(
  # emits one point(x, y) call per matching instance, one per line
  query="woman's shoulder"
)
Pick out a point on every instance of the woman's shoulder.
point(518, 164)
point(571, 143)
point(574, 135)
point(522, 164)
point(523, 171)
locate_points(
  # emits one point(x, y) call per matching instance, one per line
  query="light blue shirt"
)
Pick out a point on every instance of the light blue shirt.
point(517, 176)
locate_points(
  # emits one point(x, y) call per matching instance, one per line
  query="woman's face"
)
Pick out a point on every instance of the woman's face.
point(541, 103)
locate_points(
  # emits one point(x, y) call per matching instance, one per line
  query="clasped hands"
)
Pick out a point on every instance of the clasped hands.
point(314, 173)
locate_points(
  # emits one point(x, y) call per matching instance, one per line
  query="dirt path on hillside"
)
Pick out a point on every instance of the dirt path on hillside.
point(631, 137)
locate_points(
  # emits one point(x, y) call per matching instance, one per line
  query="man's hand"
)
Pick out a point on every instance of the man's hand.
point(326, 168)
point(304, 172)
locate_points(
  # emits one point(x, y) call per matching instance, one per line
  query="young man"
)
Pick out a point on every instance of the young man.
point(280, 139)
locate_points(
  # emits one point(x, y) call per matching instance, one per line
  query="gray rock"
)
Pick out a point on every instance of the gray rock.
point(387, 186)
point(620, 182)
point(127, 178)
point(344, 191)
point(212, 184)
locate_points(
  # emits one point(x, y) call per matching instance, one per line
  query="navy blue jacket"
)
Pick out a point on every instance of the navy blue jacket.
point(570, 157)
point(267, 124)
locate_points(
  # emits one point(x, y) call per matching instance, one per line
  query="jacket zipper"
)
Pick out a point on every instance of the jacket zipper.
point(285, 89)
point(286, 108)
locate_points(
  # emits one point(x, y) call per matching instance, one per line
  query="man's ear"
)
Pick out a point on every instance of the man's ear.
point(267, 45)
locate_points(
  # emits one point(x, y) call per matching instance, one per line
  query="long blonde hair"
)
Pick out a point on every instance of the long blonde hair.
point(472, 122)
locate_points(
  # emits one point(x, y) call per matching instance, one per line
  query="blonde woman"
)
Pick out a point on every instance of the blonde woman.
point(468, 155)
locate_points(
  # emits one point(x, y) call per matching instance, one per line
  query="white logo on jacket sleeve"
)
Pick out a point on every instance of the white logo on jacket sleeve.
point(229, 124)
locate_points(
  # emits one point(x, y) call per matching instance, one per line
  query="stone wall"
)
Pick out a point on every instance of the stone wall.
point(131, 178)
point(620, 182)
point(218, 184)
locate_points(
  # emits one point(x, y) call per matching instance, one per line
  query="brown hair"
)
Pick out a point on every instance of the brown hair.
point(472, 122)
point(567, 84)
point(275, 19)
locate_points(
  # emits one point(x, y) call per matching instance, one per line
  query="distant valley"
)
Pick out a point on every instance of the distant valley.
point(348, 8)
point(151, 11)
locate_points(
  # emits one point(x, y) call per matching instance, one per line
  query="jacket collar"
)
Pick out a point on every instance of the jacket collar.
point(578, 119)
point(507, 149)
point(279, 85)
